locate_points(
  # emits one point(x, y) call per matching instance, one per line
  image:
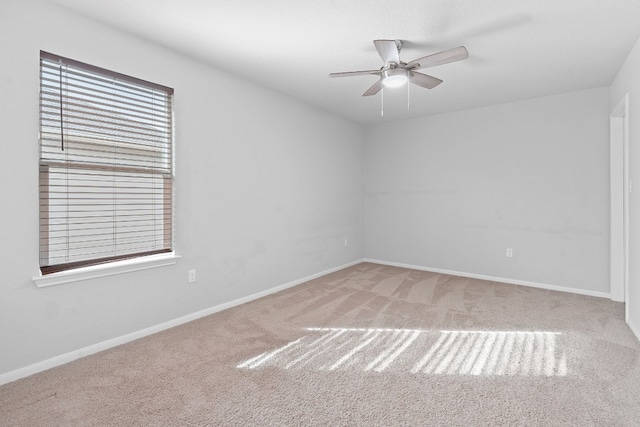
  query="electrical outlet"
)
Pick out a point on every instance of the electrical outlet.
point(192, 276)
point(509, 253)
point(346, 242)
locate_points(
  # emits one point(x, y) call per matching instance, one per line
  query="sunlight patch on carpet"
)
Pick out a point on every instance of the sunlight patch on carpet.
point(488, 353)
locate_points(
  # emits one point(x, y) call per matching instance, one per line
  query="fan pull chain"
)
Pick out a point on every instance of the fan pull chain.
point(382, 102)
point(408, 95)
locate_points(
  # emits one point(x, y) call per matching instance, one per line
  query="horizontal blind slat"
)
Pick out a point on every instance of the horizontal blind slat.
point(50, 101)
point(52, 68)
point(49, 60)
point(94, 105)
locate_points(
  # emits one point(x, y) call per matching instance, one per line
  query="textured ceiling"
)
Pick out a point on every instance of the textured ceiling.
point(517, 49)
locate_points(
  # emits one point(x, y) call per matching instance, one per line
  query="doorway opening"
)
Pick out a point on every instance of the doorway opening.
point(620, 189)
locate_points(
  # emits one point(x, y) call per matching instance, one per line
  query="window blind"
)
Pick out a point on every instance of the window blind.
point(106, 166)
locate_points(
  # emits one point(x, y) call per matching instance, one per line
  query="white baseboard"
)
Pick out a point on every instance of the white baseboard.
point(114, 342)
point(494, 279)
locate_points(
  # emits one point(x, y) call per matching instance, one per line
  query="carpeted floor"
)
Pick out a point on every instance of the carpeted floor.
point(369, 345)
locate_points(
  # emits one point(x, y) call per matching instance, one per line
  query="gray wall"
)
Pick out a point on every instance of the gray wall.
point(267, 188)
point(628, 81)
point(453, 191)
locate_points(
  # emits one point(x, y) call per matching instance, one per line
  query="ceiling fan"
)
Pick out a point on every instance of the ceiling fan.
point(395, 73)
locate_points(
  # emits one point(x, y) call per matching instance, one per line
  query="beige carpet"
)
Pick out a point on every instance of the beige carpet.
point(367, 346)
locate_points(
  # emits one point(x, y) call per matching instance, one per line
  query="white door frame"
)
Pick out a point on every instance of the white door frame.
point(620, 189)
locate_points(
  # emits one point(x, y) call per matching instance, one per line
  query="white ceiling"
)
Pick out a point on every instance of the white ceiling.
point(517, 49)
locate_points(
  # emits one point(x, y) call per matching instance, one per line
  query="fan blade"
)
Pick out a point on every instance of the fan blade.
point(388, 50)
point(374, 89)
point(424, 80)
point(444, 57)
point(354, 73)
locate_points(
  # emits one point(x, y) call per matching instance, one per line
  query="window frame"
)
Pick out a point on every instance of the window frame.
point(119, 262)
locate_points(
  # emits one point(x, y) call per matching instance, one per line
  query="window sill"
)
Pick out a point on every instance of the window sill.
point(103, 270)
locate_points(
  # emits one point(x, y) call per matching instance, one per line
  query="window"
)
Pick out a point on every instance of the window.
point(106, 166)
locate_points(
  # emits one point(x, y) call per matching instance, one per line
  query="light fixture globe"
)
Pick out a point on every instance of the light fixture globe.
point(394, 77)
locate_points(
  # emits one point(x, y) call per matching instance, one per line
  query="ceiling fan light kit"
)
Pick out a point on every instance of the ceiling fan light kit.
point(394, 77)
point(396, 73)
